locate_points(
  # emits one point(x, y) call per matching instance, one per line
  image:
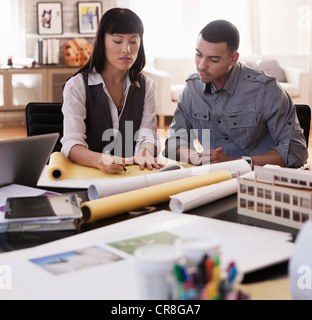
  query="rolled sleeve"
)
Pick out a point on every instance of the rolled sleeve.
point(74, 112)
point(148, 128)
point(285, 128)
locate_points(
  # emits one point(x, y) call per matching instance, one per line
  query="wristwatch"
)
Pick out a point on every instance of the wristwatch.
point(249, 160)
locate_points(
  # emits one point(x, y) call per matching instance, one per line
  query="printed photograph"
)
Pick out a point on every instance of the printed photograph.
point(129, 245)
point(76, 260)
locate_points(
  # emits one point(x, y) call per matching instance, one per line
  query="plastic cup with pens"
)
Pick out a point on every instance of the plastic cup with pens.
point(200, 275)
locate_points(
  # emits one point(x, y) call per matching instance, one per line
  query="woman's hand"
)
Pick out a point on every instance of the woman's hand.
point(144, 158)
point(111, 164)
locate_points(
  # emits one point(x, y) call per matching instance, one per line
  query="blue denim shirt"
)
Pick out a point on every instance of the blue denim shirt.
point(250, 116)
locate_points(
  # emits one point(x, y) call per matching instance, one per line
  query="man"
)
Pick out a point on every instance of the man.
point(235, 112)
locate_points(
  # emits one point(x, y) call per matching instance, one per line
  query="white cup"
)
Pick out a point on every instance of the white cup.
point(153, 264)
point(195, 248)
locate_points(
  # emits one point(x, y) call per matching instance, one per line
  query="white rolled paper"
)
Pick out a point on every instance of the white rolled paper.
point(108, 187)
point(189, 200)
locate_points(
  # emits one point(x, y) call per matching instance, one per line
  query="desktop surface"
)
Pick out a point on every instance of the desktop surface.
point(223, 209)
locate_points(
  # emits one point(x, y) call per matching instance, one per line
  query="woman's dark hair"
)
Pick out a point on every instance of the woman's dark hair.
point(122, 21)
point(222, 31)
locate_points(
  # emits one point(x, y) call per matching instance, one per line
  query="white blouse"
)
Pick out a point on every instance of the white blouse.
point(74, 111)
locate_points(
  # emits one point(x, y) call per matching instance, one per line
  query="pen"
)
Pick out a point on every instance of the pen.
point(123, 167)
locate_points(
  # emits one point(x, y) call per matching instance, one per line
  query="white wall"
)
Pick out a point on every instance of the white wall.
point(282, 30)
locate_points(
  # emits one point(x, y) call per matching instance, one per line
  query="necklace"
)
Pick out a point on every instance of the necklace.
point(121, 102)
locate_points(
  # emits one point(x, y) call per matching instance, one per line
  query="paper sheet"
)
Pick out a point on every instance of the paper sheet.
point(188, 200)
point(103, 188)
point(250, 247)
point(109, 206)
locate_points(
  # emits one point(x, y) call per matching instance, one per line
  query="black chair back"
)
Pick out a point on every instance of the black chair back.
point(304, 117)
point(45, 117)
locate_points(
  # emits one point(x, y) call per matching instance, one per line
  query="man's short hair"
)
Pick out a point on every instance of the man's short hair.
point(221, 31)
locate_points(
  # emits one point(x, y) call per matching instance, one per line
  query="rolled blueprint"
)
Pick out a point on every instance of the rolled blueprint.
point(61, 168)
point(188, 200)
point(132, 200)
point(104, 188)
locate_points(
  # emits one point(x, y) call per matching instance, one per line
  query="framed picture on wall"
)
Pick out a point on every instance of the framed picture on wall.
point(49, 18)
point(89, 15)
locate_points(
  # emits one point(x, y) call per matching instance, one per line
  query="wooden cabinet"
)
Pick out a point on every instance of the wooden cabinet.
point(56, 78)
point(18, 87)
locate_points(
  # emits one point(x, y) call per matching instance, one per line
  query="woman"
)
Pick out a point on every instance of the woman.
point(109, 106)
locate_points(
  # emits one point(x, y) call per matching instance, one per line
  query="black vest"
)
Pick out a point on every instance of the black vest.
point(98, 120)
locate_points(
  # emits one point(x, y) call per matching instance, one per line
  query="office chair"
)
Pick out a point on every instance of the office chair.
point(45, 117)
point(304, 117)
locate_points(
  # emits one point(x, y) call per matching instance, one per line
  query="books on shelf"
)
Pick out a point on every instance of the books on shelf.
point(48, 51)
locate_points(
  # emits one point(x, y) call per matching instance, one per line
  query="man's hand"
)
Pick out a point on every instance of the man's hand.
point(214, 156)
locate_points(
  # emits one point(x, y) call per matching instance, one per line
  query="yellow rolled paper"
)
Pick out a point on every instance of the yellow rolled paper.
point(61, 168)
point(128, 201)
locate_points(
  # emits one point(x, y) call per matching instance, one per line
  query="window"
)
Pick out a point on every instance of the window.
point(286, 198)
point(278, 212)
point(296, 216)
point(268, 194)
point(278, 196)
point(243, 203)
point(305, 203)
point(251, 190)
point(172, 26)
point(260, 207)
point(243, 188)
point(286, 213)
point(268, 209)
point(260, 193)
point(12, 29)
point(251, 205)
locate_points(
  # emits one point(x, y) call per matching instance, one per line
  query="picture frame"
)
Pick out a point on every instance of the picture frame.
point(49, 18)
point(89, 15)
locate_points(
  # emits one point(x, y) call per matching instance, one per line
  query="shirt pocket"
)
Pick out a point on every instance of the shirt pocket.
point(242, 116)
point(200, 116)
point(242, 124)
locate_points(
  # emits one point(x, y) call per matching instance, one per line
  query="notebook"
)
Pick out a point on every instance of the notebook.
point(22, 160)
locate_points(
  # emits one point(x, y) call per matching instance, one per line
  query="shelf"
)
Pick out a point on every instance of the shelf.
point(66, 35)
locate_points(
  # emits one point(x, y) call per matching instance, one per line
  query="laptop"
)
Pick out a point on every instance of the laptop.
point(22, 160)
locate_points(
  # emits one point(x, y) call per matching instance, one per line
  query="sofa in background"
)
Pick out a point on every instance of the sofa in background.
point(170, 74)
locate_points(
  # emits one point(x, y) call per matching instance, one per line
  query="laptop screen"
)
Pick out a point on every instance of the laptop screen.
point(22, 160)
